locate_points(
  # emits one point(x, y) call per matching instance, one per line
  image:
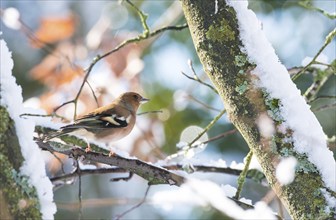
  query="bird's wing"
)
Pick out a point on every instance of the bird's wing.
point(104, 120)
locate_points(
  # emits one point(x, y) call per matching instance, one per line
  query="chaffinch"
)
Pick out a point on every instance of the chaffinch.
point(108, 123)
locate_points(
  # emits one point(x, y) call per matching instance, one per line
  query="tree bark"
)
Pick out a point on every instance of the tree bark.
point(18, 199)
point(214, 30)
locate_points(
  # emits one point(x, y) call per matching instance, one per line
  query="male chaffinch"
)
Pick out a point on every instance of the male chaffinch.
point(108, 123)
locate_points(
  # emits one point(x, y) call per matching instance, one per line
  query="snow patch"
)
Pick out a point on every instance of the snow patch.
point(322, 58)
point(202, 193)
point(285, 171)
point(331, 200)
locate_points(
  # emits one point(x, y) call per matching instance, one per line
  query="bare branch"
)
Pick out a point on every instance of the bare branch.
point(143, 18)
point(93, 93)
point(153, 174)
point(327, 41)
point(150, 112)
point(196, 78)
point(116, 179)
point(220, 136)
point(242, 176)
point(136, 206)
point(203, 104)
point(323, 97)
point(145, 35)
point(308, 5)
point(88, 172)
point(207, 128)
point(40, 115)
point(191, 144)
point(78, 170)
point(171, 167)
point(325, 107)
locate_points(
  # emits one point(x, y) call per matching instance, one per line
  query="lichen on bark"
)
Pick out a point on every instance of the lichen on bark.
point(229, 69)
point(18, 195)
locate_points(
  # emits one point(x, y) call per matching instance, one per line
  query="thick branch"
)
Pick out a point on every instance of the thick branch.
point(153, 174)
point(217, 40)
point(17, 197)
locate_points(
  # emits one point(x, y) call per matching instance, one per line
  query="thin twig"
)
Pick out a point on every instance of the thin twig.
point(323, 64)
point(196, 168)
point(78, 170)
point(84, 172)
point(203, 104)
point(220, 136)
point(143, 18)
point(206, 169)
point(207, 128)
point(190, 145)
point(116, 179)
point(40, 115)
point(269, 197)
point(196, 78)
point(242, 176)
point(324, 107)
point(93, 93)
point(176, 28)
point(136, 206)
point(280, 208)
point(59, 160)
point(308, 5)
point(150, 112)
point(316, 86)
point(100, 57)
point(152, 144)
point(96, 203)
point(63, 104)
point(30, 34)
point(323, 97)
point(329, 38)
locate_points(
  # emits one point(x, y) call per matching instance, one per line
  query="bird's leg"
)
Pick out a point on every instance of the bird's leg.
point(112, 153)
point(88, 148)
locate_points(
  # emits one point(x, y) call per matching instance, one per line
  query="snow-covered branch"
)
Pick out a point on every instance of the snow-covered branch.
point(264, 104)
point(153, 174)
point(24, 183)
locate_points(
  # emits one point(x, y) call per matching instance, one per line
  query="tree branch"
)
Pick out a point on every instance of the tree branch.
point(327, 41)
point(145, 35)
point(153, 174)
point(227, 62)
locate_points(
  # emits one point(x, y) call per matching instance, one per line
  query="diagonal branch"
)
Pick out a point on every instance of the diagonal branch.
point(136, 206)
point(251, 174)
point(327, 41)
point(153, 174)
point(196, 78)
point(145, 35)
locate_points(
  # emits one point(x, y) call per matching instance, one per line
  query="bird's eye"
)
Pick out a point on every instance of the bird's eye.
point(135, 97)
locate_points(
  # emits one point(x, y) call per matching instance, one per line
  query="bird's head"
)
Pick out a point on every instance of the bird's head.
point(132, 100)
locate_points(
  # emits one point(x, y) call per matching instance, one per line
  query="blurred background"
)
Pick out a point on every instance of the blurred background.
point(52, 42)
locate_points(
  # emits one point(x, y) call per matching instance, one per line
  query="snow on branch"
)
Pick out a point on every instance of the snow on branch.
point(153, 174)
point(33, 166)
point(308, 137)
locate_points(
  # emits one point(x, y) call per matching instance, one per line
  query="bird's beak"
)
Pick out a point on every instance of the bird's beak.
point(144, 100)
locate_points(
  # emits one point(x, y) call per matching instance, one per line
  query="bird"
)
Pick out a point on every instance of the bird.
point(108, 123)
